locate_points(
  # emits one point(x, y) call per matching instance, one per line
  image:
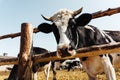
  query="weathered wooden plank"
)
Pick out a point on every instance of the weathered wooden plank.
point(107, 12)
point(81, 52)
point(8, 60)
point(24, 61)
point(13, 35)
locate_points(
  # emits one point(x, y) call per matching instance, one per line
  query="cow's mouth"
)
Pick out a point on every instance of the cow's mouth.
point(66, 52)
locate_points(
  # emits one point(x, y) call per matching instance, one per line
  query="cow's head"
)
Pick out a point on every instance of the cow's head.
point(64, 28)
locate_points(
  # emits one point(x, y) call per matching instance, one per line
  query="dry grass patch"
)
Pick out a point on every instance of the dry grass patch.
point(64, 75)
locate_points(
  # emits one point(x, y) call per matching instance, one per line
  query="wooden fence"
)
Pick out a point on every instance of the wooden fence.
point(24, 60)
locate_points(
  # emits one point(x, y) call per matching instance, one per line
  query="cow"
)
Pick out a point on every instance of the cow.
point(115, 57)
point(71, 64)
point(71, 32)
point(35, 67)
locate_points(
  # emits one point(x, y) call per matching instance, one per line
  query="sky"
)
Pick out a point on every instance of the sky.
point(15, 12)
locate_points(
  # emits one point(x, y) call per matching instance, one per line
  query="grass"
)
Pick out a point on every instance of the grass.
point(64, 75)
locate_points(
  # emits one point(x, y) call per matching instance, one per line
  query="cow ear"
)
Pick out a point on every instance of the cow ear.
point(45, 28)
point(83, 19)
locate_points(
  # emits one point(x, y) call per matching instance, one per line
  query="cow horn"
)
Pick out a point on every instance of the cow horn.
point(47, 18)
point(77, 12)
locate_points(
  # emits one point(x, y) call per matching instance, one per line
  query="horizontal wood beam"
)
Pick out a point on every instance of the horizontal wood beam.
point(82, 52)
point(13, 35)
point(8, 60)
point(108, 12)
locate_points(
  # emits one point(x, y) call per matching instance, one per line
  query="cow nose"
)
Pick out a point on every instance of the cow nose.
point(65, 51)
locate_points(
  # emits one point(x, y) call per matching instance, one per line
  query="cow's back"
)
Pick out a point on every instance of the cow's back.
point(114, 34)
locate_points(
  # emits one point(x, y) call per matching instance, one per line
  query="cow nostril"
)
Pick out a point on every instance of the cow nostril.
point(63, 49)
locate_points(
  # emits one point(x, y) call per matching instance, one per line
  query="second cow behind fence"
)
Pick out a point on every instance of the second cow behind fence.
point(35, 67)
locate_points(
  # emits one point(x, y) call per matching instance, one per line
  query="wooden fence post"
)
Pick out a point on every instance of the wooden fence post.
point(24, 61)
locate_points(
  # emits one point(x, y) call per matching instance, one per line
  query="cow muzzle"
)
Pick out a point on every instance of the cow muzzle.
point(65, 52)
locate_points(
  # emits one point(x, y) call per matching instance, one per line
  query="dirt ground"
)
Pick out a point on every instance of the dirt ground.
point(64, 75)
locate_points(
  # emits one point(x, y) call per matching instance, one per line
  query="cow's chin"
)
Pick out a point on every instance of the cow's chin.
point(65, 53)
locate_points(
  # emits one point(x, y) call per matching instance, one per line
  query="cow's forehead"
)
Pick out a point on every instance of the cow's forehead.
point(62, 12)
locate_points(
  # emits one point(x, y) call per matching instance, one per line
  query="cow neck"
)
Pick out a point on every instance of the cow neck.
point(77, 40)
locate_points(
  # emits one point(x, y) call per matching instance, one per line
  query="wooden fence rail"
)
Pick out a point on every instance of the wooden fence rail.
point(25, 58)
point(82, 52)
point(108, 12)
